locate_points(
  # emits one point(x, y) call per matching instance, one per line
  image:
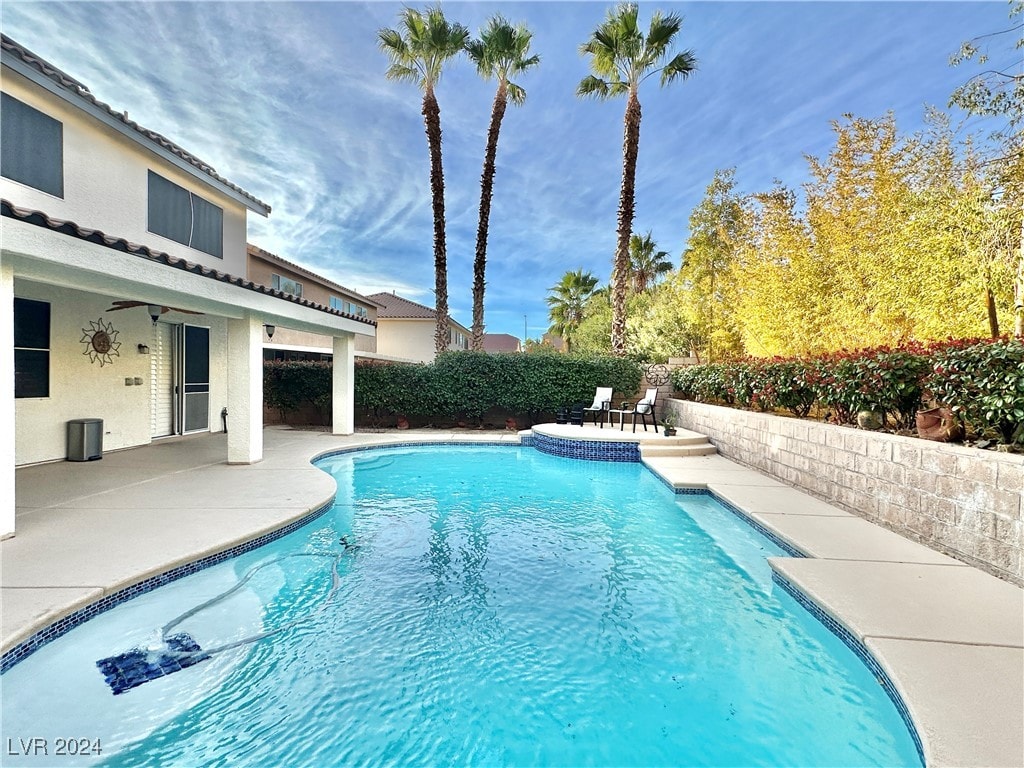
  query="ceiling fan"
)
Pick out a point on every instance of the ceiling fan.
point(155, 310)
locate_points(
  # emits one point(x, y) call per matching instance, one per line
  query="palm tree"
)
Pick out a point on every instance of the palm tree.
point(646, 265)
point(622, 57)
point(418, 51)
point(500, 53)
point(567, 301)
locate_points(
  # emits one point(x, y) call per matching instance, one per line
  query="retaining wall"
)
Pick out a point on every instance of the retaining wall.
point(961, 501)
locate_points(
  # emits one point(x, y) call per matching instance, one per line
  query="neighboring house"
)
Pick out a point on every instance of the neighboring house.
point(501, 342)
point(552, 340)
point(287, 344)
point(122, 284)
point(405, 329)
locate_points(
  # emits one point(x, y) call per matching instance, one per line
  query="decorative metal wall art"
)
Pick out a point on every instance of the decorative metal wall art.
point(101, 342)
point(657, 374)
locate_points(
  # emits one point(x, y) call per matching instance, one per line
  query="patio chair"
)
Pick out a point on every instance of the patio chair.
point(601, 405)
point(645, 408)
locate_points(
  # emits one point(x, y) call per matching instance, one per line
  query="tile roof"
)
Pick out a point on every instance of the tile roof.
point(69, 83)
point(255, 250)
point(500, 342)
point(69, 228)
point(395, 307)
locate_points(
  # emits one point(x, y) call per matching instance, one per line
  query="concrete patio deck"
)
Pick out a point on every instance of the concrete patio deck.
point(949, 636)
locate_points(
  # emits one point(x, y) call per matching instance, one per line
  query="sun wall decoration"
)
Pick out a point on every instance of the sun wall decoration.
point(101, 342)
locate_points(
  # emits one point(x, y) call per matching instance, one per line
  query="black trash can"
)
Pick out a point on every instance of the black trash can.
point(85, 439)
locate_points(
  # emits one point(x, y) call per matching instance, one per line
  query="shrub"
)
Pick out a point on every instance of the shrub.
point(707, 383)
point(384, 389)
point(786, 386)
point(878, 379)
point(288, 386)
point(465, 385)
point(981, 380)
point(983, 383)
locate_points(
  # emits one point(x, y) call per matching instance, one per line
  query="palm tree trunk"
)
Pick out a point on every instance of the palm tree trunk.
point(432, 121)
point(1018, 290)
point(486, 190)
point(627, 200)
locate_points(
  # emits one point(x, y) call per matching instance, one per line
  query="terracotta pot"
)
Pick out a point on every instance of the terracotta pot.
point(939, 424)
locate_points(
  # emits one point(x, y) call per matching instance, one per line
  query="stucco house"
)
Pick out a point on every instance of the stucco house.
point(123, 287)
point(405, 329)
point(293, 279)
point(499, 343)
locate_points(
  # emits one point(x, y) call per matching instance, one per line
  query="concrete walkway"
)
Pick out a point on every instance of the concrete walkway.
point(949, 636)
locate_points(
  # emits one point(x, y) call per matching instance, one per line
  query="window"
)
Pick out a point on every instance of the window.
point(31, 147)
point(185, 217)
point(31, 348)
point(348, 307)
point(286, 285)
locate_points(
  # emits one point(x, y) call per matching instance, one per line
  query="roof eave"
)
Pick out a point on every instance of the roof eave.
point(31, 73)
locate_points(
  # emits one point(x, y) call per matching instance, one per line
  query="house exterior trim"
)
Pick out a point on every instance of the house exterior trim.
point(151, 289)
point(34, 69)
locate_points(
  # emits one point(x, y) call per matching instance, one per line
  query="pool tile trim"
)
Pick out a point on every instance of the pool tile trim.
point(62, 626)
point(594, 451)
point(409, 444)
point(855, 645)
point(588, 450)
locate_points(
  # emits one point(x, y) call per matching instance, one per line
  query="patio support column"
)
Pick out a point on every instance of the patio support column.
point(7, 458)
point(245, 390)
point(343, 400)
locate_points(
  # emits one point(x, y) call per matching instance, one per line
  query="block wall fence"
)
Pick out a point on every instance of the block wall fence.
point(964, 502)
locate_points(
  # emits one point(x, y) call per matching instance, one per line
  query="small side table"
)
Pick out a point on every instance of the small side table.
point(627, 408)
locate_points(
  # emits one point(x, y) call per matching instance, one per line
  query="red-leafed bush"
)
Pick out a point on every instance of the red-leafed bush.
point(982, 380)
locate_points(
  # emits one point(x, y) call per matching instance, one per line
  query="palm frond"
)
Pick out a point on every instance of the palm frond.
point(593, 86)
point(682, 66)
point(516, 94)
point(662, 29)
point(403, 73)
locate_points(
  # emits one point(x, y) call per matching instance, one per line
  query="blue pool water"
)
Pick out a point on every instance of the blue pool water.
point(496, 606)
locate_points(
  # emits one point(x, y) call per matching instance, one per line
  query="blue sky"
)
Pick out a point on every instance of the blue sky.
point(289, 101)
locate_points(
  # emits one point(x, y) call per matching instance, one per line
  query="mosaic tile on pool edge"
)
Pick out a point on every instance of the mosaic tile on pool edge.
point(64, 625)
point(777, 540)
point(414, 444)
point(855, 645)
point(587, 450)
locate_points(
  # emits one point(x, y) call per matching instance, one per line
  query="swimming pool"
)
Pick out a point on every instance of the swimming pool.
point(503, 607)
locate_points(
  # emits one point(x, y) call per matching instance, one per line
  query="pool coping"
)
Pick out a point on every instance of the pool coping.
point(989, 737)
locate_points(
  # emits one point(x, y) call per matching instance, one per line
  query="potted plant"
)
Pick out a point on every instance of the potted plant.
point(670, 426)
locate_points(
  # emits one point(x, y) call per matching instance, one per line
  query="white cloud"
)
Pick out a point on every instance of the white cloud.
point(289, 101)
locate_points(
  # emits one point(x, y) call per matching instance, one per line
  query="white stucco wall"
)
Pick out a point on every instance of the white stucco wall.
point(408, 339)
point(106, 183)
point(285, 338)
point(83, 389)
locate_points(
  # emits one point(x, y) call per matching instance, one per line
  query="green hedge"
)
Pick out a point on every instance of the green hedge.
point(982, 380)
point(457, 386)
point(289, 386)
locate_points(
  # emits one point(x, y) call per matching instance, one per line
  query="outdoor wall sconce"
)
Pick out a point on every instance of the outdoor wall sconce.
point(155, 310)
point(270, 330)
point(143, 349)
